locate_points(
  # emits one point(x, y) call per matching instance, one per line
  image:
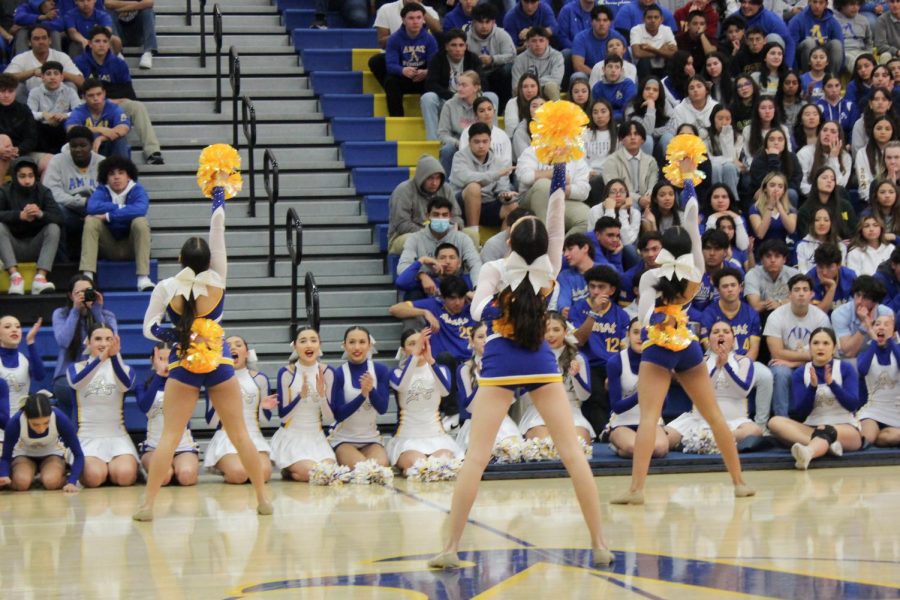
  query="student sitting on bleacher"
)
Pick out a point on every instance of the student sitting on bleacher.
point(525, 16)
point(408, 53)
point(116, 226)
point(79, 22)
point(71, 323)
point(387, 22)
point(98, 63)
point(355, 13)
point(853, 322)
point(481, 180)
point(51, 103)
point(71, 177)
point(410, 201)
point(135, 23)
point(543, 61)
point(497, 246)
point(534, 184)
point(486, 113)
point(109, 123)
point(423, 277)
point(30, 224)
point(18, 131)
point(40, 13)
point(25, 67)
point(494, 48)
point(440, 230)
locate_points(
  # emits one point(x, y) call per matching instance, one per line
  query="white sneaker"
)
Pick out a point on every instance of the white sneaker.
point(146, 60)
point(40, 285)
point(16, 284)
point(802, 456)
point(145, 284)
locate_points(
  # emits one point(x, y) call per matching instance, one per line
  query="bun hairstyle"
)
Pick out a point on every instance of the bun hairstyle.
point(523, 309)
point(195, 255)
point(678, 242)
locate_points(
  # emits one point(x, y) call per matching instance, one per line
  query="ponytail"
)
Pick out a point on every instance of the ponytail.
point(524, 311)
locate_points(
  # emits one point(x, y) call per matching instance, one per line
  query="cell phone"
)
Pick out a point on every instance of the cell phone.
point(90, 295)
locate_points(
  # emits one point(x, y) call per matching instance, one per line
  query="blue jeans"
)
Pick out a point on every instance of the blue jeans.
point(142, 27)
point(354, 12)
point(781, 389)
point(118, 147)
point(70, 240)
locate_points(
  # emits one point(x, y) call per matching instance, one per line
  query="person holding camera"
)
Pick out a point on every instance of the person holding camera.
point(71, 324)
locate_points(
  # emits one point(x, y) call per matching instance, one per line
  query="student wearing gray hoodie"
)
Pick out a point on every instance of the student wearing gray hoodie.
point(542, 61)
point(409, 202)
point(495, 50)
point(481, 181)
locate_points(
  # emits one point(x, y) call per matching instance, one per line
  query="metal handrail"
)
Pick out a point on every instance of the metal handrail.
point(311, 295)
point(248, 124)
point(234, 77)
point(294, 240)
point(217, 37)
point(188, 19)
point(203, 33)
point(270, 181)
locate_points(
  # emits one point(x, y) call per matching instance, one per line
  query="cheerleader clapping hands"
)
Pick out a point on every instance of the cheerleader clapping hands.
point(879, 363)
point(304, 387)
point(420, 383)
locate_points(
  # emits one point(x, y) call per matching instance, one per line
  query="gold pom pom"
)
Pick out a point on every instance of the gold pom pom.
point(219, 167)
point(665, 335)
point(205, 352)
point(681, 147)
point(556, 132)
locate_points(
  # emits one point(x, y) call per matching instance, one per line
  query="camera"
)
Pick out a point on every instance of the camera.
point(90, 295)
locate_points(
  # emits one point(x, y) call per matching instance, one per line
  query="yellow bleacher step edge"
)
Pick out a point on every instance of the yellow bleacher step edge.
point(411, 107)
point(404, 129)
point(361, 56)
point(408, 153)
point(28, 271)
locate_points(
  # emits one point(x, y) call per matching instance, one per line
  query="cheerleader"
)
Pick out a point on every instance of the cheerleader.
point(197, 293)
point(511, 296)
point(826, 391)
point(221, 456)
point(879, 363)
point(672, 350)
point(419, 383)
point(304, 386)
point(185, 466)
point(622, 381)
point(100, 384)
point(360, 392)
point(733, 378)
point(467, 383)
point(576, 379)
point(17, 369)
point(36, 440)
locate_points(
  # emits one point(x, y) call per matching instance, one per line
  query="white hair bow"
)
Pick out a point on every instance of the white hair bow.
point(186, 282)
point(682, 267)
point(252, 359)
point(540, 272)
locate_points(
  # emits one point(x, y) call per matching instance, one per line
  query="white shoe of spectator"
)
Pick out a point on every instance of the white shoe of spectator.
point(16, 284)
point(145, 284)
point(146, 60)
point(40, 285)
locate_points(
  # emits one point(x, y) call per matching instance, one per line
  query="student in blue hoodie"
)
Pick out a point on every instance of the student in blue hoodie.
point(573, 18)
point(79, 22)
point(525, 15)
point(33, 12)
point(460, 17)
point(754, 14)
point(614, 86)
point(408, 52)
point(815, 27)
point(835, 107)
point(116, 225)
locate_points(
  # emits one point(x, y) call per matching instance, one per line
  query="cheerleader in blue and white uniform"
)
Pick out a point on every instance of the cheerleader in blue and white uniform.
point(37, 437)
point(100, 384)
point(198, 292)
point(360, 393)
point(879, 363)
point(17, 369)
point(733, 378)
point(622, 383)
point(304, 387)
point(511, 297)
point(467, 384)
point(826, 392)
point(419, 383)
point(576, 379)
point(671, 349)
point(221, 456)
point(185, 467)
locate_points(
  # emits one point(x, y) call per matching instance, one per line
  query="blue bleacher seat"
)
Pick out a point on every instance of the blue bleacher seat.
point(369, 154)
point(284, 5)
point(336, 82)
point(133, 341)
point(378, 180)
point(377, 208)
point(347, 105)
point(393, 260)
point(334, 38)
point(119, 275)
point(381, 234)
point(347, 129)
point(327, 59)
point(299, 18)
